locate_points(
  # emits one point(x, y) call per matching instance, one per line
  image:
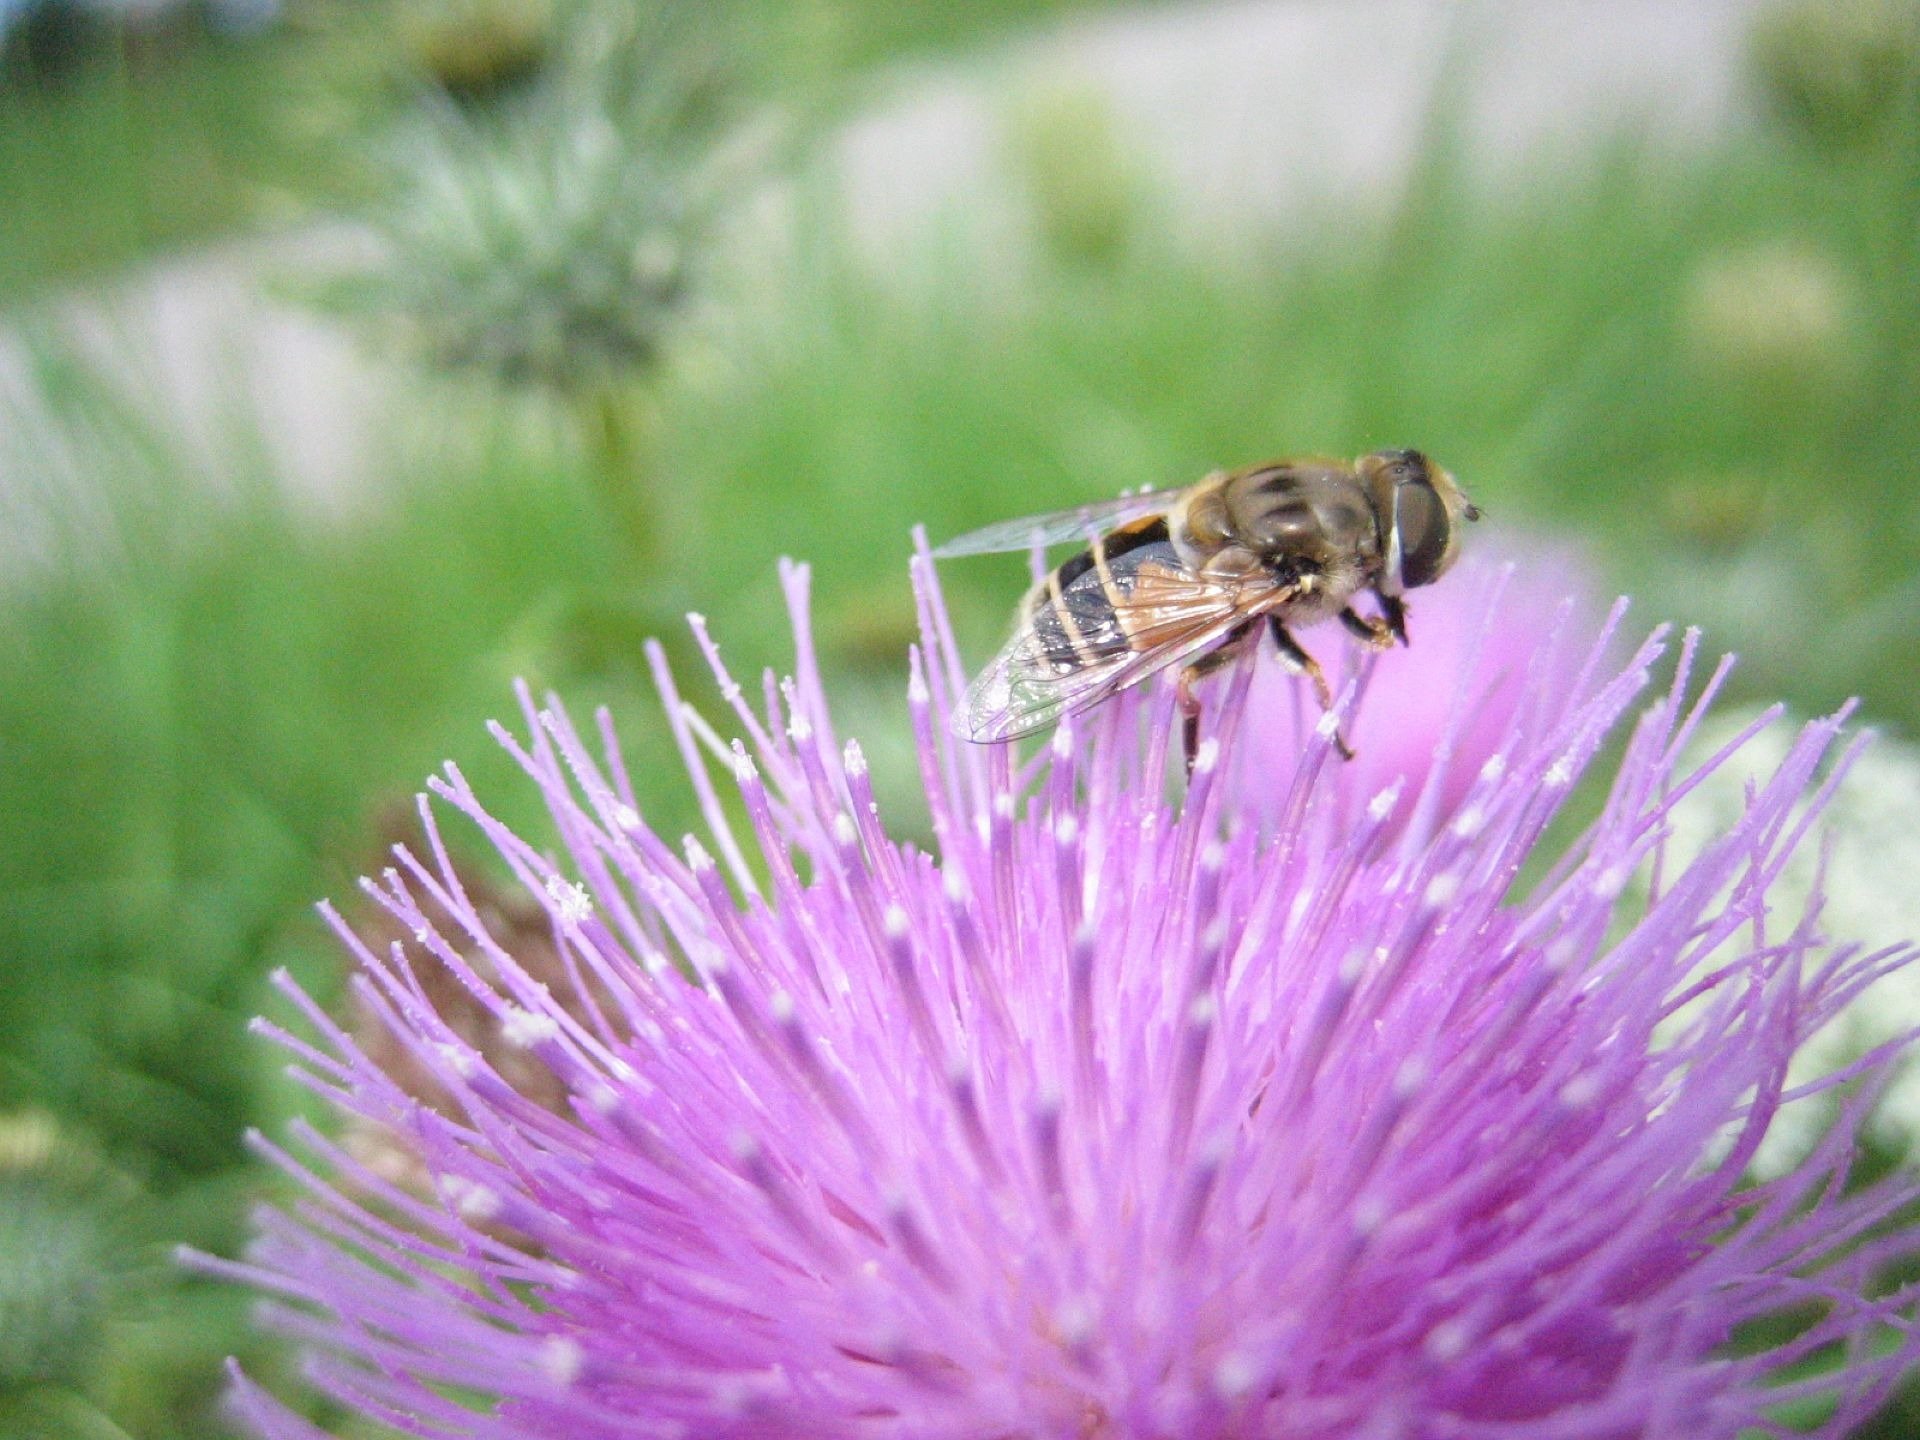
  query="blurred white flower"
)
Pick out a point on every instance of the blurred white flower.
point(1868, 877)
point(1770, 315)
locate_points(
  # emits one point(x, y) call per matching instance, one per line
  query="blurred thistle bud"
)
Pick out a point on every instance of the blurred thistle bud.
point(1064, 143)
point(474, 47)
point(1774, 318)
point(545, 249)
point(56, 1256)
point(550, 241)
point(552, 244)
point(682, 71)
point(1834, 69)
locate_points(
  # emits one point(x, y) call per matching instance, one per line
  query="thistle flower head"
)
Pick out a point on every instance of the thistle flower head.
point(1270, 1107)
point(544, 249)
point(554, 243)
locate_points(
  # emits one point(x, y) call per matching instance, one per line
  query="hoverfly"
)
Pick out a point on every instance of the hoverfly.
point(1192, 576)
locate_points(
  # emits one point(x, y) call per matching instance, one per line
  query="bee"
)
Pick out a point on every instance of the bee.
point(1193, 576)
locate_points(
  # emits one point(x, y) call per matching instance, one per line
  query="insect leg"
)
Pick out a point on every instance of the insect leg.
point(1291, 652)
point(1376, 631)
point(1393, 610)
point(1227, 650)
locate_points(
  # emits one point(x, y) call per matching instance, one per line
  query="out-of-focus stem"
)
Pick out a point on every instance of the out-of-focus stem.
point(613, 423)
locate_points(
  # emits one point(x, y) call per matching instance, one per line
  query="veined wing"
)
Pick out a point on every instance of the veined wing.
point(1112, 625)
point(1081, 524)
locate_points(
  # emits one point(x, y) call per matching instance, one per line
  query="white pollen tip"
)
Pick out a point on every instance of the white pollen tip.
point(421, 934)
point(1066, 830)
point(844, 831)
point(1207, 756)
point(799, 728)
point(1074, 1322)
point(1213, 855)
point(1369, 1214)
point(1610, 882)
point(1559, 775)
point(1062, 742)
point(1351, 969)
point(1447, 1341)
point(560, 1359)
point(471, 1201)
point(603, 1099)
point(1469, 822)
point(626, 817)
point(954, 885)
point(1382, 804)
point(698, 860)
point(1441, 890)
point(570, 900)
point(780, 1006)
point(1003, 807)
point(743, 1147)
point(524, 1029)
point(917, 693)
point(459, 1059)
point(1327, 726)
point(896, 923)
point(654, 963)
point(854, 758)
point(1215, 934)
point(744, 770)
point(1494, 769)
point(1202, 1012)
point(1410, 1079)
point(1235, 1376)
point(696, 619)
point(1580, 1092)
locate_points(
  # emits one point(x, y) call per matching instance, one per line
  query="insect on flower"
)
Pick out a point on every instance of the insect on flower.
point(1189, 575)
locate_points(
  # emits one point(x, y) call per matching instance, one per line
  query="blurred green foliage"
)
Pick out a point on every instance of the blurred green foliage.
point(114, 162)
point(211, 699)
point(142, 139)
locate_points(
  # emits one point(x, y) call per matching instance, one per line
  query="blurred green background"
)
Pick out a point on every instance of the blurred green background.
point(358, 356)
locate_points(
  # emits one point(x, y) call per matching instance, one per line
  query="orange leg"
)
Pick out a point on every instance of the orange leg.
point(1300, 660)
point(1376, 631)
point(1229, 649)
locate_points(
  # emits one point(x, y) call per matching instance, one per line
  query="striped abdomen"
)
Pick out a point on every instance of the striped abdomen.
point(1080, 614)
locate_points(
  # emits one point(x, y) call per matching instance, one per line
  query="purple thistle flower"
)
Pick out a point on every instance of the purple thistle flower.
point(1271, 1108)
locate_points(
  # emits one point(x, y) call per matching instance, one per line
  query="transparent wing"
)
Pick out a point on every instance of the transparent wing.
point(1059, 527)
point(1105, 633)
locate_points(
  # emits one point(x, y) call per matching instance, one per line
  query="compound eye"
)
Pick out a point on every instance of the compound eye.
point(1426, 533)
